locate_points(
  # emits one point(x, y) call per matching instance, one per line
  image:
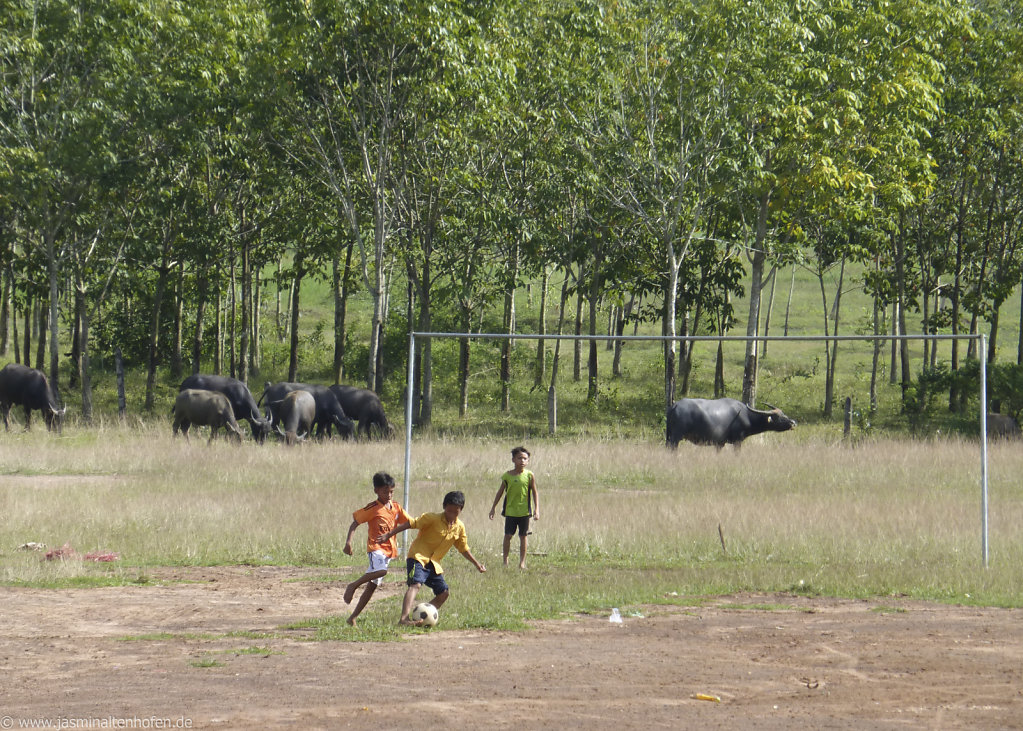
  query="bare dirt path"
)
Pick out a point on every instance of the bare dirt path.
point(816, 663)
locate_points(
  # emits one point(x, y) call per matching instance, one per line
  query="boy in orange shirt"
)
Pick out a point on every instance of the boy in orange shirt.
point(382, 514)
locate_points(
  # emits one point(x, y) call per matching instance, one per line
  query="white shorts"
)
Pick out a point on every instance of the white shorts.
point(378, 561)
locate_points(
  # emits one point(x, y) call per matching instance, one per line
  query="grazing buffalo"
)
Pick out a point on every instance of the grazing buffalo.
point(364, 407)
point(720, 421)
point(298, 412)
point(328, 411)
point(1001, 426)
point(27, 387)
point(205, 408)
point(238, 394)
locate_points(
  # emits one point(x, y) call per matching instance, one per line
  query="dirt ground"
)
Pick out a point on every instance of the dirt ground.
point(817, 663)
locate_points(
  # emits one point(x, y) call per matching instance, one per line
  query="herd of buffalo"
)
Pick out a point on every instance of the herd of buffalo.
point(293, 411)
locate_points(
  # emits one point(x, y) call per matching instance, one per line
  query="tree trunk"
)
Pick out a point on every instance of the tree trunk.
point(578, 344)
point(154, 328)
point(218, 336)
point(463, 365)
point(200, 311)
point(552, 391)
point(53, 268)
point(342, 282)
point(759, 261)
point(295, 298)
point(509, 328)
point(232, 324)
point(17, 352)
point(76, 342)
point(788, 303)
point(83, 356)
point(27, 349)
point(770, 309)
point(43, 308)
point(176, 364)
point(256, 347)
point(591, 369)
point(876, 354)
point(246, 313)
point(893, 371)
point(541, 357)
point(5, 312)
point(623, 315)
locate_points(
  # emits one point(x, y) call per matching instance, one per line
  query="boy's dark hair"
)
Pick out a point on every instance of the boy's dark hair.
point(455, 497)
point(382, 479)
point(516, 450)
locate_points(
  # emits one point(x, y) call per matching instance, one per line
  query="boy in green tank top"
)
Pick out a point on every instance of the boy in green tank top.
point(521, 502)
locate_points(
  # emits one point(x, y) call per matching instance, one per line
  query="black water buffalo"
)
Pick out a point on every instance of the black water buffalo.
point(1001, 426)
point(29, 388)
point(242, 402)
point(205, 408)
point(298, 412)
point(720, 421)
point(364, 407)
point(328, 411)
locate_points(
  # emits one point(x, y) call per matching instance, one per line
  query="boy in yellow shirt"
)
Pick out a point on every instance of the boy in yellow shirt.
point(438, 532)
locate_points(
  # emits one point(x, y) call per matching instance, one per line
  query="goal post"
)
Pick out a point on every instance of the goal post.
point(982, 390)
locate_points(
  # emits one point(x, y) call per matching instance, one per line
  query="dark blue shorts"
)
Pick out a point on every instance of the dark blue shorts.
point(522, 524)
point(426, 575)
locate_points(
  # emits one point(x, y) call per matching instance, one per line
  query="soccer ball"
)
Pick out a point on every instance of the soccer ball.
point(426, 613)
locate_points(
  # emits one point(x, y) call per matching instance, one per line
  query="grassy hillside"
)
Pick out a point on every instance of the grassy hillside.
point(792, 373)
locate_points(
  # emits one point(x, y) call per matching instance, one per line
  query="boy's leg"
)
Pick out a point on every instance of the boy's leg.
point(363, 601)
point(506, 548)
point(408, 602)
point(368, 576)
point(522, 551)
point(439, 599)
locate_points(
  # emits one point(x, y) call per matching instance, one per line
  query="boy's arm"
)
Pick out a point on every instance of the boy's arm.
point(536, 497)
point(393, 532)
point(348, 541)
point(472, 559)
point(497, 499)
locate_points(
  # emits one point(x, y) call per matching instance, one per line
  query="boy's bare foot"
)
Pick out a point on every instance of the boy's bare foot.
point(349, 593)
point(522, 566)
point(351, 621)
point(409, 623)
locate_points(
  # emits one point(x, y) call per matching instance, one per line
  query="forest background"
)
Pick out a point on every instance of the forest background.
point(177, 178)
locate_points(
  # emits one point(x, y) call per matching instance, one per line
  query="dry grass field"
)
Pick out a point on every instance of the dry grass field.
point(801, 582)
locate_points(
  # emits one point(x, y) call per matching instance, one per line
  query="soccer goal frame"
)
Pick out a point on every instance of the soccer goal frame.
point(982, 395)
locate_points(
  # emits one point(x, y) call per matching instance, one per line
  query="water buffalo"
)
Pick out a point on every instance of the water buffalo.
point(1001, 426)
point(242, 402)
point(29, 388)
point(297, 411)
point(205, 408)
point(363, 406)
point(328, 411)
point(720, 421)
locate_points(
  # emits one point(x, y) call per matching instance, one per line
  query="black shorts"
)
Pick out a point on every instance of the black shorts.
point(511, 524)
point(416, 573)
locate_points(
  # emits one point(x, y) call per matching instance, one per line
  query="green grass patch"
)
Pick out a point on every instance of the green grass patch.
point(624, 523)
point(207, 662)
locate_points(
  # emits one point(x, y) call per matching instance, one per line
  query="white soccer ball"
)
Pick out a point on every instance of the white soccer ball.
point(425, 613)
